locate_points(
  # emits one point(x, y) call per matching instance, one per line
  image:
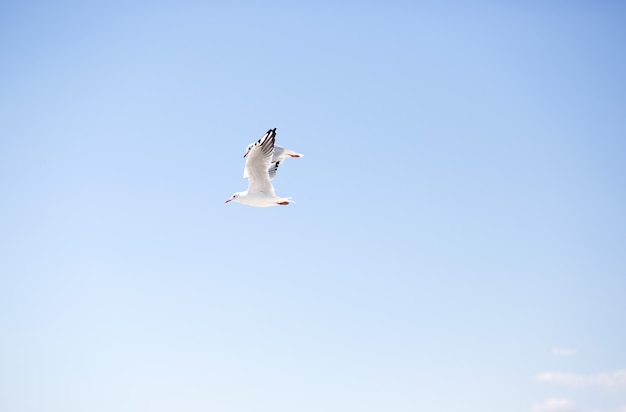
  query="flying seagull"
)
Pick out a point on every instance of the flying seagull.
point(263, 159)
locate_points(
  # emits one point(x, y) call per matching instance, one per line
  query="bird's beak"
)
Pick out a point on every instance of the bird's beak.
point(245, 154)
point(228, 200)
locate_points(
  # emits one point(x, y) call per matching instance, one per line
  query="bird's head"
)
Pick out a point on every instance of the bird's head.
point(249, 148)
point(234, 197)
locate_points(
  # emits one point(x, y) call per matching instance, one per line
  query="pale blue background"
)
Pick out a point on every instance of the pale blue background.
point(460, 206)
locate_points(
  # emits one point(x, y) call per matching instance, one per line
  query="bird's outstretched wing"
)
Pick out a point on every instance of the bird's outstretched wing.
point(280, 154)
point(258, 162)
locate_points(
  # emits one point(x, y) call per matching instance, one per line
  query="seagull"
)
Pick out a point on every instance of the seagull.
point(263, 158)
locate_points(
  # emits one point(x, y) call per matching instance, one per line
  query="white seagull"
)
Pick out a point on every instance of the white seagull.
point(263, 159)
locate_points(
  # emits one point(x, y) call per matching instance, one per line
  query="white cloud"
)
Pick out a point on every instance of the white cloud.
point(564, 352)
point(609, 380)
point(561, 378)
point(555, 405)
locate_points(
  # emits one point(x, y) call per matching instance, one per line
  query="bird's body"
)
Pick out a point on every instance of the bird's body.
point(263, 159)
point(257, 199)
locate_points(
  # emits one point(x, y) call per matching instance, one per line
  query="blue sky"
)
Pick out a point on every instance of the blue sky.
point(458, 241)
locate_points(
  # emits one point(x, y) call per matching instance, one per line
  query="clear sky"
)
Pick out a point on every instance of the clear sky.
point(458, 241)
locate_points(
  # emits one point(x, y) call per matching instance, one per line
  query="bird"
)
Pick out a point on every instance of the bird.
point(262, 160)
